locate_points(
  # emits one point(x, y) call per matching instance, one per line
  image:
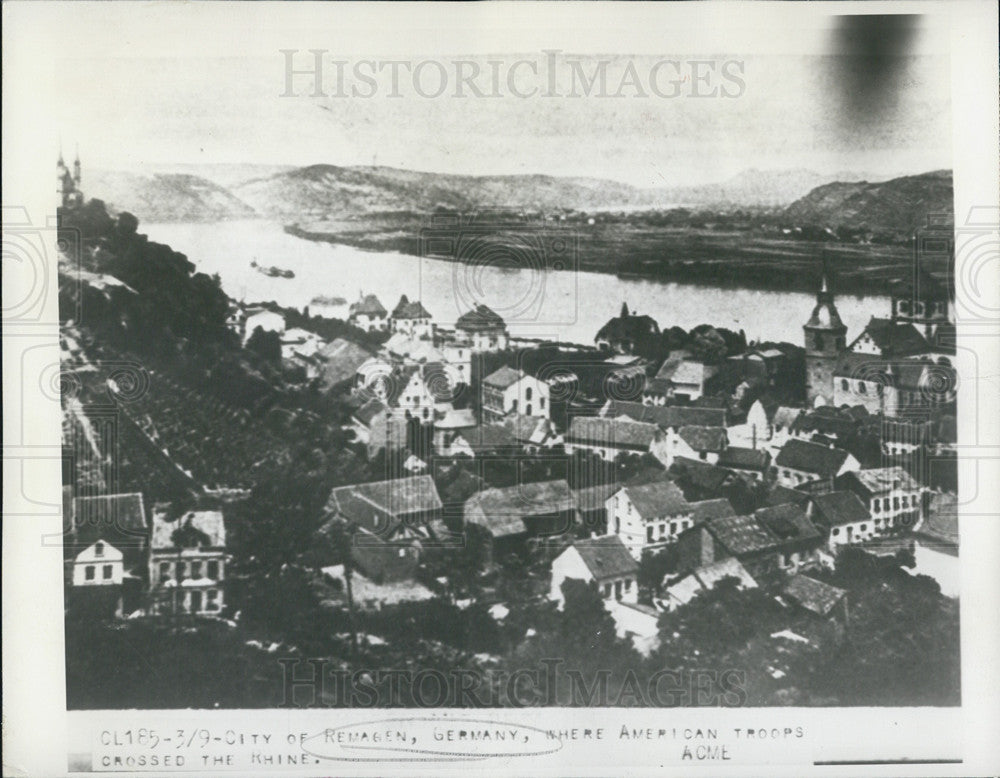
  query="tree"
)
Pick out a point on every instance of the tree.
point(266, 344)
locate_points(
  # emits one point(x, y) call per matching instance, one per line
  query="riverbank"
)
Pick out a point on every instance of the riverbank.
point(726, 258)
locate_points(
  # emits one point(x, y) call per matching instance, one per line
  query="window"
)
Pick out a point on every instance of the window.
point(649, 534)
point(213, 570)
point(527, 394)
point(98, 549)
point(527, 409)
point(106, 572)
point(541, 403)
point(818, 342)
point(845, 384)
point(876, 508)
point(513, 405)
point(885, 504)
point(88, 572)
point(164, 570)
point(673, 528)
point(607, 590)
point(181, 570)
point(212, 596)
point(895, 503)
point(906, 501)
point(836, 531)
point(863, 528)
point(862, 387)
point(196, 569)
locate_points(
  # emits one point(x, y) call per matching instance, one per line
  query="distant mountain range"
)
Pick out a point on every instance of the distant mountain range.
point(328, 192)
point(901, 205)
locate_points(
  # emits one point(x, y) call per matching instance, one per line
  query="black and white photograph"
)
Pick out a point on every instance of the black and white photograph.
point(418, 382)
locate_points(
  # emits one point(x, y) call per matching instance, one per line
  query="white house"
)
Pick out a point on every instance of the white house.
point(646, 515)
point(187, 562)
point(268, 321)
point(605, 561)
point(513, 391)
point(412, 319)
point(100, 564)
point(845, 518)
point(610, 437)
point(483, 329)
point(891, 495)
point(694, 442)
point(368, 314)
point(800, 461)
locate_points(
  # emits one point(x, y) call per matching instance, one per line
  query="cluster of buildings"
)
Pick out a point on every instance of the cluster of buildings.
point(122, 560)
point(740, 486)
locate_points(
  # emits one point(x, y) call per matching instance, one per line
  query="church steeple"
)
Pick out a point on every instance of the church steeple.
point(825, 340)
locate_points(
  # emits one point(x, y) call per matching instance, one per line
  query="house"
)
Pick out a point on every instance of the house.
point(649, 514)
point(187, 562)
point(610, 437)
point(604, 561)
point(815, 597)
point(419, 390)
point(513, 391)
point(592, 501)
point(707, 510)
point(892, 387)
point(100, 564)
point(659, 389)
point(368, 314)
point(117, 520)
point(691, 378)
point(627, 333)
point(511, 515)
point(800, 461)
point(485, 440)
point(387, 521)
point(705, 444)
point(777, 538)
point(297, 342)
point(890, 339)
point(263, 319)
point(892, 497)
point(665, 416)
point(411, 318)
point(704, 578)
point(340, 360)
point(755, 463)
point(701, 480)
point(483, 329)
point(845, 518)
point(449, 425)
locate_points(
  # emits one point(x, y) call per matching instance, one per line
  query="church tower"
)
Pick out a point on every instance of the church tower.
point(76, 169)
point(825, 340)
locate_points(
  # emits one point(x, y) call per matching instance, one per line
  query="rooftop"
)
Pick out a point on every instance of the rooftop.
point(742, 458)
point(811, 458)
point(368, 305)
point(409, 310)
point(894, 338)
point(503, 510)
point(706, 510)
point(377, 506)
point(606, 557)
point(704, 439)
point(813, 595)
point(611, 433)
point(883, 480)
point(665, 415)
point(480, 319)
point(503, 377)
point(840, 507)
point(194, 528)
point(742, 534)
point(658, 498)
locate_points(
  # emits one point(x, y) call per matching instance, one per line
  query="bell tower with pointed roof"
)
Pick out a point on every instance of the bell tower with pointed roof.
point(825, 341)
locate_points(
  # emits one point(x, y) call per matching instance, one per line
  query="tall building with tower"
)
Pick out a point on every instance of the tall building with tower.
point(68, 184)
point(825, 339)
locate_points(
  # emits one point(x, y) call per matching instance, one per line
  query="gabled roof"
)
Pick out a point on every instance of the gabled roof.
point(703, 475)
point(711, 574)
point(480, 319)
point(658, 498)
point(690, 372)
point(489, 437)
point(94, 517)
point(503, 377)
point(894, 338)
point(840, 507)
point(341, 360)
point(611, 433)
point(704, 439)
point(883, 480)
point(784, 417)
point(194, 528)
point(809, 457)
point(409, 310)
point(706, 510)
point(743, 534)
point(742, 458)
point(665, 415)
point(782, 494)
point(606, 557)
point(377, 506)
point(368, 305)
point(787, 522)
point(813, 595)
point(503, 510)
point(593, 498)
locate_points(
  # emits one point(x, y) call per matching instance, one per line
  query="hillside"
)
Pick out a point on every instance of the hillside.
point(899, 206)
point(163, 197)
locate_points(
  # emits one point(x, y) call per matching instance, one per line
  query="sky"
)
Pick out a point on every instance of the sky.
point(789, 92)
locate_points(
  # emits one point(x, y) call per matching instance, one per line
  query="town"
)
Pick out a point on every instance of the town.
point(363, 481)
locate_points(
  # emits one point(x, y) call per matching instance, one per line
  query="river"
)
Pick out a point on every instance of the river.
point(558, 305)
